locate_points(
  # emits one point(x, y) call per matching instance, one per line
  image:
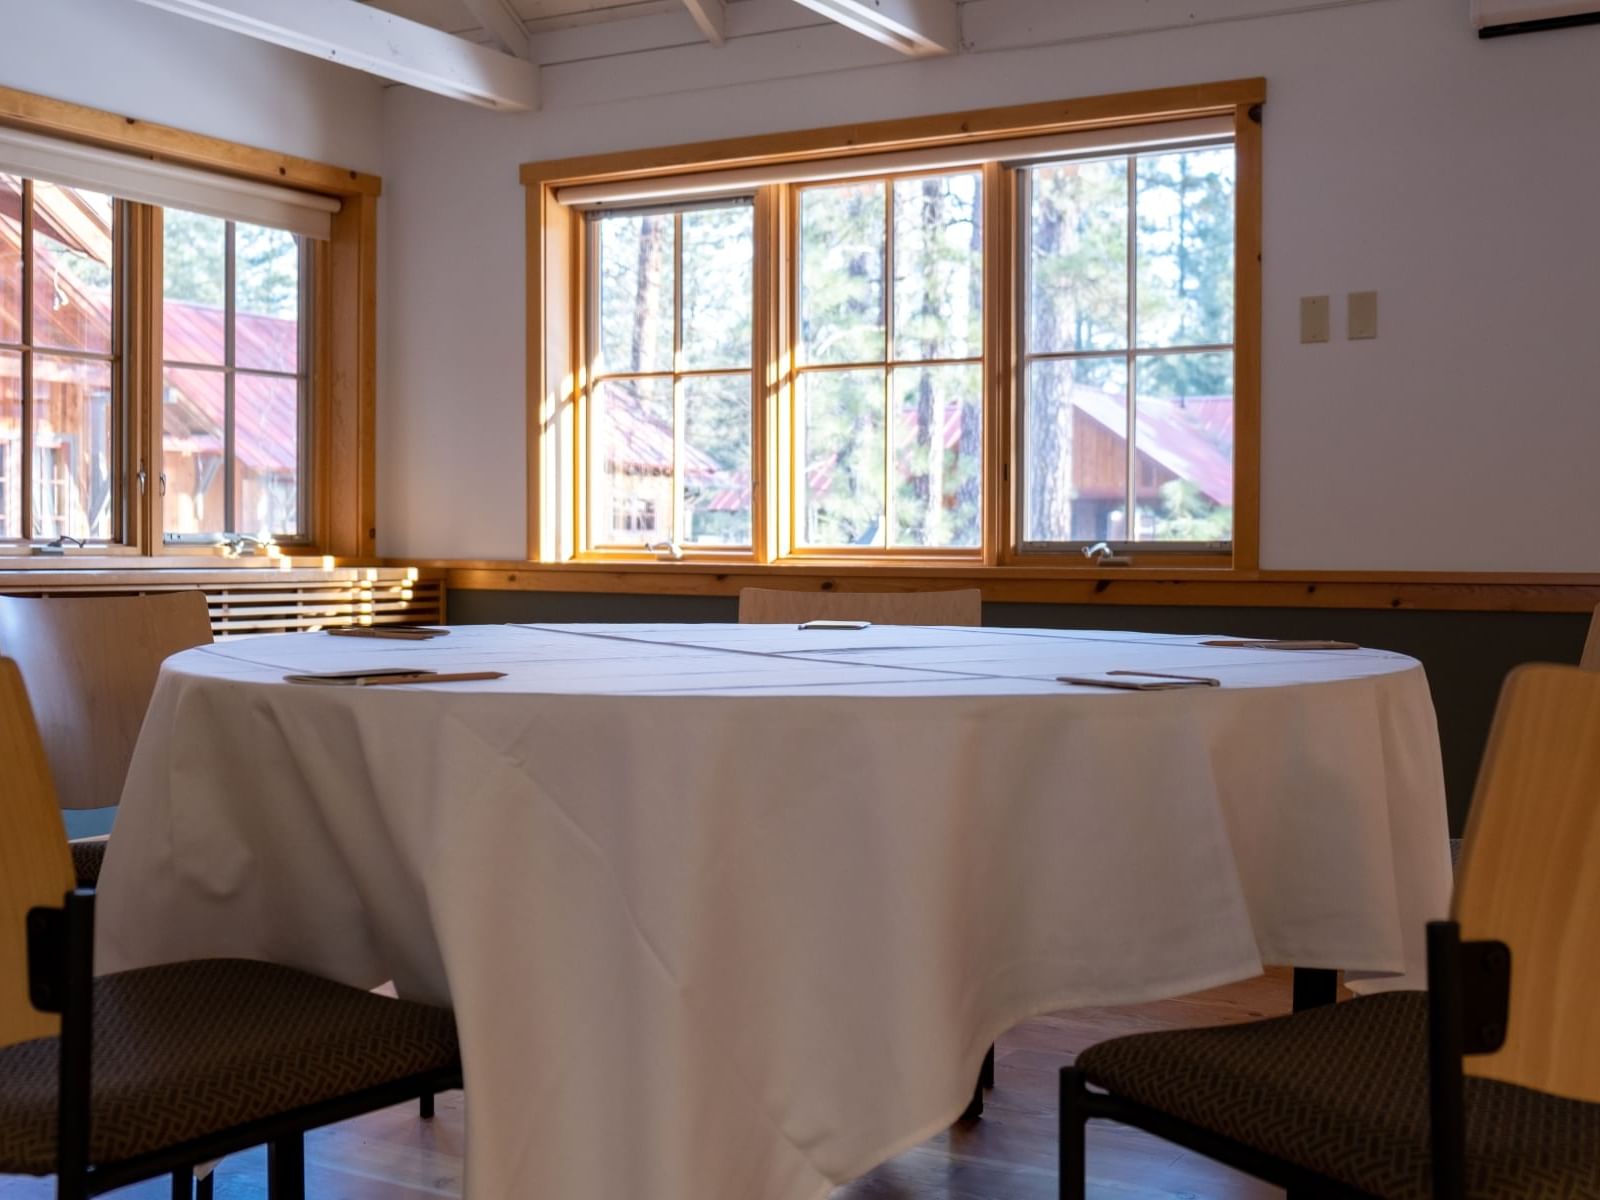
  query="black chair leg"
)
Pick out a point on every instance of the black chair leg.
point(183, 1184)
point(1314, 987)
point(974, 1108)
point(203, 1186)
point(425, 1107)
point(286, 1169)
point(1074, 1165)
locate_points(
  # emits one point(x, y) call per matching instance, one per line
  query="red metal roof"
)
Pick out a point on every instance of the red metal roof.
point(69, 315)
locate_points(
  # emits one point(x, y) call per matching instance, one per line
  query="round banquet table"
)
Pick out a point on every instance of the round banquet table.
point(733, 912)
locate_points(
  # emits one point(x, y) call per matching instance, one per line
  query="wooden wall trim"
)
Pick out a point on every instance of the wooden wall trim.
point(60, 118)
point(871, 136)
point(1398, 590)
point(344, 453)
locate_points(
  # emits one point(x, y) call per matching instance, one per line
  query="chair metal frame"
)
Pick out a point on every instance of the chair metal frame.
point(1469, 987)
point(61, 980)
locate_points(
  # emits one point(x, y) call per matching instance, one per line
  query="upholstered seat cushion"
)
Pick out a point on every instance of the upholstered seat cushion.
point(87, 858)
point(191, 1049)
point(1343, 1090)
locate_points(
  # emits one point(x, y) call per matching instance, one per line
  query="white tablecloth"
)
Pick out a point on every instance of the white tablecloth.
point(732, 912)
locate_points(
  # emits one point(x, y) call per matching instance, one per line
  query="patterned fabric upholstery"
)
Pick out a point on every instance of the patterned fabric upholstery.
point(87, 858)
point(1343, 1090)
point(195, 1048)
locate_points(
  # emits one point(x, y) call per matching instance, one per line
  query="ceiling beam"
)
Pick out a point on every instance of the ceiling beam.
point(377, 42)
point(914, 27)
point(712, 17)
point(504, 25)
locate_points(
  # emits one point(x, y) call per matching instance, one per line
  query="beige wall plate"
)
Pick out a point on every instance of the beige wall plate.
point(1313, 319)
point(1362, 319)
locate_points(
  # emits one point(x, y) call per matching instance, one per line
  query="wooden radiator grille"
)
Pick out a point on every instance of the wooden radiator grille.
point(246, 601)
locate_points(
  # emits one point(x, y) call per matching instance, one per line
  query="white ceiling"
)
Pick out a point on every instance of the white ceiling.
point(453, 17)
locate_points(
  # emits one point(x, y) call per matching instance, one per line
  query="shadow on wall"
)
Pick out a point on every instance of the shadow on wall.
point(1466, 654)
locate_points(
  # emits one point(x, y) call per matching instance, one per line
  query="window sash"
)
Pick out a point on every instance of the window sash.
point(28, 349)
point(231, 371)
point(587, 514)
point(1130, 353)
point(796, 501)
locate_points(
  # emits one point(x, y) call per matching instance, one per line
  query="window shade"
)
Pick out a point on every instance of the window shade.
point(132, 178)
point(1081, 143)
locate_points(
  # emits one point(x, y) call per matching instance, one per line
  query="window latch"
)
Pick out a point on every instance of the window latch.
point(667, 551)
point(1102, 555)
point(59, 546)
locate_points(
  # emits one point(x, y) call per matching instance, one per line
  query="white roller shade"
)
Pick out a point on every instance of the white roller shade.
point(129, 177)
point(1084, 143)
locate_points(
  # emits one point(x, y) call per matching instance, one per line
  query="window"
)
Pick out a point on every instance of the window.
point(1127, 363)
point(993, 339)
point(669, 409)
point(187, 341)
point(235, 378)
point(60, 361)
point(889, 390)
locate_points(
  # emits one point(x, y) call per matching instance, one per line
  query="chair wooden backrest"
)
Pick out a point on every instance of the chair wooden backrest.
point(776, 606)
point(1591, 646)
point(1530, 877)
point(91, 665)
point(35, 867)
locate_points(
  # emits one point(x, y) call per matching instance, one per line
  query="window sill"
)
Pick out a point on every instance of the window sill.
point(102, 560)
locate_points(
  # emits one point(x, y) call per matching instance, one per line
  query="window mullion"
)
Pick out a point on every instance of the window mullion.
point(676, 522)
point(230, 518)
point(1130, 531)
point(770, 349)
point(25, 364)
point(994, 199)
point(887, 507)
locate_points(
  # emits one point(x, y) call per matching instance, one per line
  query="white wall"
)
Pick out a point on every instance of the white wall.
point(1458, 178)
point(141, 62)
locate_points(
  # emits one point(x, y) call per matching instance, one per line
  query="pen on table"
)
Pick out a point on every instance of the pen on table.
point(1204, 679)
point(458, 677)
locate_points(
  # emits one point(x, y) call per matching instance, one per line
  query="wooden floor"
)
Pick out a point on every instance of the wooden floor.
point(1007, 1155)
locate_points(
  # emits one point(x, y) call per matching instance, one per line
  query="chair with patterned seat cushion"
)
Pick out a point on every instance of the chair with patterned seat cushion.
point(91, 664)
point(190, 1061)
point(1487, 1085)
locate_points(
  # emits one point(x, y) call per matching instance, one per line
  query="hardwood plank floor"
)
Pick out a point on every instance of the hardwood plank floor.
point(1008, 1155)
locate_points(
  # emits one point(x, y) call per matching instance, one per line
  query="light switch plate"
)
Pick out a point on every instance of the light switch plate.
point(1362, 320)
point(1313, 318)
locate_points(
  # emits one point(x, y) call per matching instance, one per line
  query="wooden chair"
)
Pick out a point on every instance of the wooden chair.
point(775, 606)
point(1591, 646)
point(191, 1061)
point(1386, 1095)
point(91, 665)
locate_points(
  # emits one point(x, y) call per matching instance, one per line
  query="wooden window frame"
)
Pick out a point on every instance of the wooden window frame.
point(342, 273)
point(556, 353)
